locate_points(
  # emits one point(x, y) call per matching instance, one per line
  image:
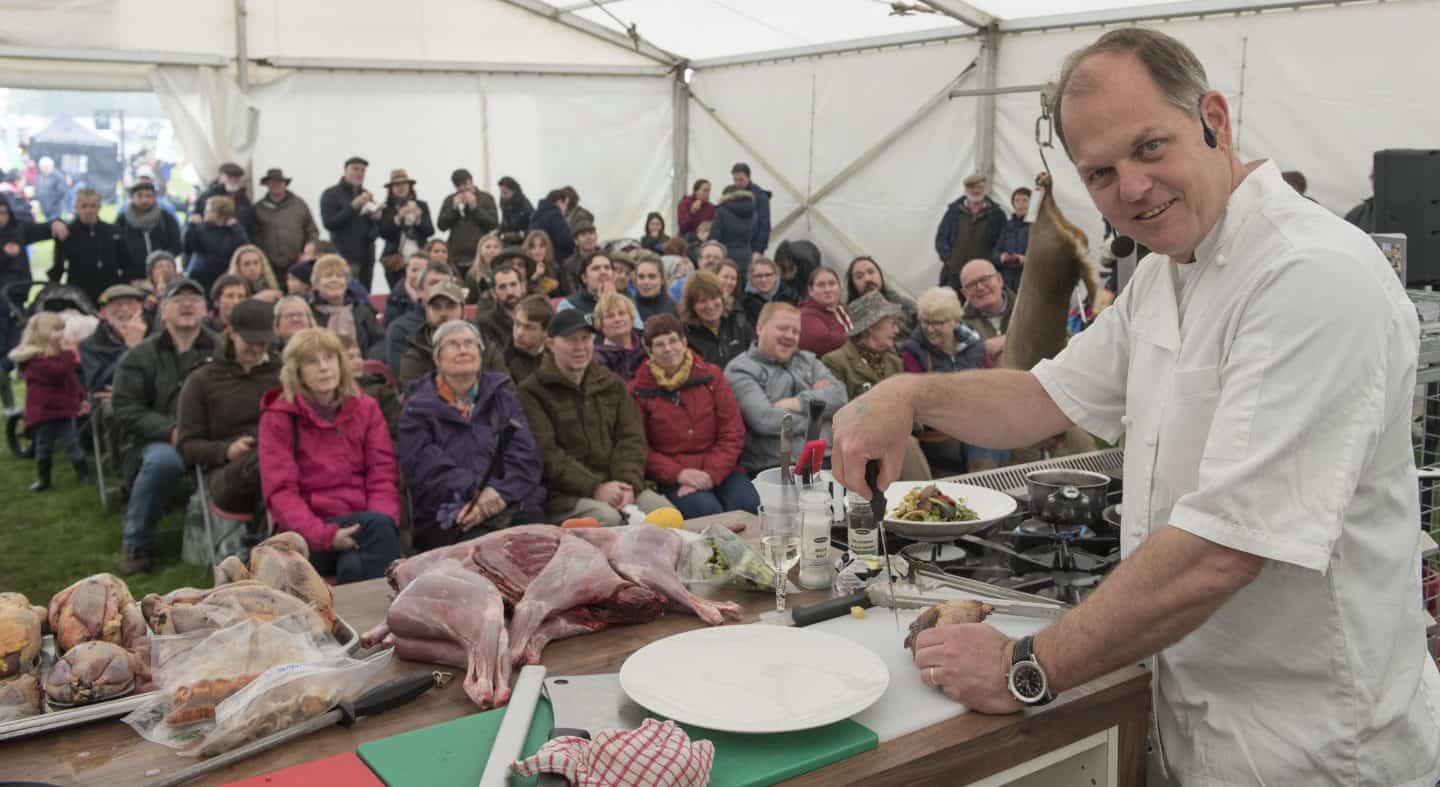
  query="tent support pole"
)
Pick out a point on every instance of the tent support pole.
point(680, 137)
point(749, 148)
point(242, 48)
point(985, 117)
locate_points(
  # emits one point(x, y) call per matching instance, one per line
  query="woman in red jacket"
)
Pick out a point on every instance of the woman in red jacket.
point(824, 322)
point(53, 394)
point(692, 424)
point(694, 209)
point(344, 501)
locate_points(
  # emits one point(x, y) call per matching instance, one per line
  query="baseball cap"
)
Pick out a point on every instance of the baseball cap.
point(116, 291)
point(567, 322)
point(254, 320)
point(446, 289)
point(183, 284)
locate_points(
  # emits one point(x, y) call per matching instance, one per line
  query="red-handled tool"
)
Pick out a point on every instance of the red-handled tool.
point(812, 456)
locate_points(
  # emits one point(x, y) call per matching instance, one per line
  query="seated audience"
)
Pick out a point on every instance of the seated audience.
point(729, 274)
point(943, 343)
point(596, 278)
point(209, 245)
point(374, 379)
point(226, 293)
point(692, 424)
point(797, 260)
point(444, 301)
point(53, 394)
point(549, 218)
point(338, 308)
point(824, 321)
point(292, 315)
point(495, 314)
point(655, 237)
point(146, 392)
point(480, 276)
point(327, 466)
point(869, 357)
point(988, 304)
point(160, 270)
point(776, 377)
point(404, 297)
point(400, 330)
point(250, 264)
point(712, 328)
point(527, 350)
point(650, 295)
point(122, 326)
point(298, 278)
point(218, 417)
point(763, 287)
point(587, 242)
point(465, 477)
point(711, 254)
point(544, 274)
point(622, 267)
point(619, 346)
point(865, 276)
point(587, 428)
point(438, 250)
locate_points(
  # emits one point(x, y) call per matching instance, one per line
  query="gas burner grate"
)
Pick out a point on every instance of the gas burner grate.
point(1011, 480)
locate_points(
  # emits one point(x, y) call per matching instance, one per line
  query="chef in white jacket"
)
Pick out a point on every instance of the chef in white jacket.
point(1261, 365)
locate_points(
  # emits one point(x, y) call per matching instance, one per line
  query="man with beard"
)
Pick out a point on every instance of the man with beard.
point(864, 276)
point(230, 183)
point(145, 228)
point(969, 229)
point(495, 315)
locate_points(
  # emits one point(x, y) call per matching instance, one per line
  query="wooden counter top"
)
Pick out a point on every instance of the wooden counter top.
point(962, 749)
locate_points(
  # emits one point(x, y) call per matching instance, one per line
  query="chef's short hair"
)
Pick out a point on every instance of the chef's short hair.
point(1174, 68)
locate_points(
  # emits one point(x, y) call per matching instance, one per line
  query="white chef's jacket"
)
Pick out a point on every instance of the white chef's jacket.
point(1274, 418)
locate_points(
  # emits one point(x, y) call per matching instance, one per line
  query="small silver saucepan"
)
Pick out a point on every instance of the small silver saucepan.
point(1067, 497)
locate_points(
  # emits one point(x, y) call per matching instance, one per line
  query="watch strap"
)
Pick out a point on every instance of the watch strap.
point(1024, 650)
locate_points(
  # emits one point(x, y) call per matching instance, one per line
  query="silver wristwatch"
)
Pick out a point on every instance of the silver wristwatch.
point(1027, 679)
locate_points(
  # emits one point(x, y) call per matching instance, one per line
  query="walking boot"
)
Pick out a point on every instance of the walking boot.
point(82, 472)
point(134, 560)
point(42, 476)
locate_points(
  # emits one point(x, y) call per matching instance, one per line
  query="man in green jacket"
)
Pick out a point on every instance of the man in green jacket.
point(283, 223)
point(146, 391)
point(587, 427)
point(468, 214)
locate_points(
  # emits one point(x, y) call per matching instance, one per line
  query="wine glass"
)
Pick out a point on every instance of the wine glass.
point(779, 546)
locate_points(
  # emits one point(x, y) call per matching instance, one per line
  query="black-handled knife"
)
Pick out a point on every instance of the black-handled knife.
point(829, 609)
point(878, 510)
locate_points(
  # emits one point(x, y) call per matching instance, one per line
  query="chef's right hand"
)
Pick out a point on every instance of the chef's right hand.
point(344, 540)
point(239, 447)
point(875, 426)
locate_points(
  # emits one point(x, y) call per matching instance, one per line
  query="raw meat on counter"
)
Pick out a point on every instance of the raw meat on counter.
point(647, 556)
point(20, 633)
point(283, 562)
point(19, 697)
point(95, 671)
point(97, 608)
point(190, 609)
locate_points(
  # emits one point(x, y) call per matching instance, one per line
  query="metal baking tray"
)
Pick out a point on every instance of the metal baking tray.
point(51, 720)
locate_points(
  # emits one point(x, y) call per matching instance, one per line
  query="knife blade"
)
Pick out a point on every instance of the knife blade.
point(877, 511)
point(905, 601)
point(786, 425)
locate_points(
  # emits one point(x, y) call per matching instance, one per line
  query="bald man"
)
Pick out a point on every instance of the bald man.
point(988, 305)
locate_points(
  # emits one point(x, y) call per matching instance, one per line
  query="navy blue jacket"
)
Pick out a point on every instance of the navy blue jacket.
point(735, 225)
point(209, 249)
point(1014, 238)
point(549, 218)
point(761, 239)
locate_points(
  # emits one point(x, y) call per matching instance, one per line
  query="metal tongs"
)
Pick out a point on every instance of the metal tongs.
point(877, 510)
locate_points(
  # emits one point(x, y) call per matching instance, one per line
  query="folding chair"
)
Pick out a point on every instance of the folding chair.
point(224, 531)
point(102, 445)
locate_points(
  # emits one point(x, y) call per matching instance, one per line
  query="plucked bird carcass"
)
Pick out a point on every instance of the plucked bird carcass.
point(97, 608)
point(21, 633)
point(94, 671)
point(282, 562)
point(189, 609)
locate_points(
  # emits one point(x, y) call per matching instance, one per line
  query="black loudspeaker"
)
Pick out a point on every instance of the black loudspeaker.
point(1407, 199)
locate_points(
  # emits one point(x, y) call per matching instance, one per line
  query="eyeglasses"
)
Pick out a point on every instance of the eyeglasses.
point(936, 323)
point(980, 283)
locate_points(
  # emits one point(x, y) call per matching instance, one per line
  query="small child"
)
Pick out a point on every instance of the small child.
point(53, 394)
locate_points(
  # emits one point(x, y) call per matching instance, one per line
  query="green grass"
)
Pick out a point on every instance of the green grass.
point(51, 539)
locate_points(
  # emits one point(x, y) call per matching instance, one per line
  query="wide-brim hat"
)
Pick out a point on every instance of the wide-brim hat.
point(510, 253)
point(274, 173)
point(868, 310)
point(399, 176)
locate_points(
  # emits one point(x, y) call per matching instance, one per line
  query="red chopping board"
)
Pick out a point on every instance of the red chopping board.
point(342, 770)
point(454, 753)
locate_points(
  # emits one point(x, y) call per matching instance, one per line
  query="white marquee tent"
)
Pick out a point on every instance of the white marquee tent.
point(846, 109)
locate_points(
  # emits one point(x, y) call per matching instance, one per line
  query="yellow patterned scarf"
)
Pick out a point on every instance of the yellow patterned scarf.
point(672, 381)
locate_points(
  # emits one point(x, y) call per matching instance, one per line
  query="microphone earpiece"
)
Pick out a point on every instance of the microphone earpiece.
point(1210, 137)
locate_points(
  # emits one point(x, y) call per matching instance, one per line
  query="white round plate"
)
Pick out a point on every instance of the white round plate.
point(988, 504)
point(758, 678)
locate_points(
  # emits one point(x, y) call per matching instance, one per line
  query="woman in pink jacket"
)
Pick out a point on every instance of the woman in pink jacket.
point(327, 466)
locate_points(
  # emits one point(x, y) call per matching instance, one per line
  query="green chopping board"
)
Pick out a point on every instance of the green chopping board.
point(453, 754)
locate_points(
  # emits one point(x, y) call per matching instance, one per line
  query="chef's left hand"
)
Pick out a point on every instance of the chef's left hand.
point(970, 662)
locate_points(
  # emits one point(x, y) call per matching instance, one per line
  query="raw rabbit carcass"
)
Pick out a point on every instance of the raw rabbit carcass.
point(282, 562)
point(647, 555)
point(189, 609)
point(93, 671)
point(21, 633)
point(97, 608)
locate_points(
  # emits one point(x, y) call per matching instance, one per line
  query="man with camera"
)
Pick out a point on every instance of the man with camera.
point(352, 215)
point(468, 214)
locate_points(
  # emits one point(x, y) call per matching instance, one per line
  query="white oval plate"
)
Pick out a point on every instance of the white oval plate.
point(758, 678)
point(987, 504)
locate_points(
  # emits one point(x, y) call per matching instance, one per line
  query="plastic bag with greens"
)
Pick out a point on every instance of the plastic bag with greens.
point(720, 557)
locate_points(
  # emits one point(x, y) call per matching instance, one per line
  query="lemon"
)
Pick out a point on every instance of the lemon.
point(666, 517)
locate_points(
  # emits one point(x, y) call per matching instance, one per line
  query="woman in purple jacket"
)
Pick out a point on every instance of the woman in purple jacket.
point(465, 448)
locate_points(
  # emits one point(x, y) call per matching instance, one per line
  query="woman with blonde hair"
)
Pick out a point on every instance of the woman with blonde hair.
point(344, 502)
point(292, 315)
point(250, 263)
point(53, 394)
point(618, 343)
point(481, 273)
point(540, 262)
point(336, 306)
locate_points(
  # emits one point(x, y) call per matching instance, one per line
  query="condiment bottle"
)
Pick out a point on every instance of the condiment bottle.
point(860, 528)
point(816, 570)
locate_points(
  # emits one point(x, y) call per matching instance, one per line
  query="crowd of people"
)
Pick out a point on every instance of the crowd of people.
point(519, 370)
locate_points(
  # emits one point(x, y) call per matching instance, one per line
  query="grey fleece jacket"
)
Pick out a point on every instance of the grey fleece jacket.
point(758, 382)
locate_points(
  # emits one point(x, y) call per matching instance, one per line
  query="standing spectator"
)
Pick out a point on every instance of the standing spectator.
point(292, 315)
point(715, 331)
point(212, 244)
point(327, 466)
point(655, 237)
point(481, 275)
point(404, 221)
point(734, 225)
point(693, 426)
point(122, 326)
point(516, 209)
point(495, 314)
point(864, 276)
point(824, 321)
point(587, 242)
point(587, 428)
point(53, 394)
point(146, 392)
point(229, 183)
point(218, 418)
point(50, 188)
point(740, 173)
point(776, 377)
point(527, 350)
point(337, 308)
point(550, 218)
point(249, 263)
point(942, 343)
point(227, 293)
point(764, 286)
point(694, 208)
point(988, 305)
point(283, 222)
point(544, 275)
point(1009, 252)
point(463, 480)
point(15, 235)
point(349, 211)
point(91, 252)
point(969, 229)
point(574, 214)
point(145, 228)
point(619, 345)
point(468, 214)
point(650, 295)
point(401, 329)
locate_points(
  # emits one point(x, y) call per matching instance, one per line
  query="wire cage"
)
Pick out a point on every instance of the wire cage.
point(1426, 434)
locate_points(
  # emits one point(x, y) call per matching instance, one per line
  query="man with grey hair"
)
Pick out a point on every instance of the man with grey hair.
point(969, 229)
point(1270, 570)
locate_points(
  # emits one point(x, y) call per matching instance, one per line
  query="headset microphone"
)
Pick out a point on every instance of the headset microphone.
point(1209, 136)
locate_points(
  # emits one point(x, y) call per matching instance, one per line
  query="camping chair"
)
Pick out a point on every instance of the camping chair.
point(225, 533)
point(101, 444)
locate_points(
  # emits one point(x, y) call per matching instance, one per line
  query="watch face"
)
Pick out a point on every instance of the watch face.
point(1028, 682)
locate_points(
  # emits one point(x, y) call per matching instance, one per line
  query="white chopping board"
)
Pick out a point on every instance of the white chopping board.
point(908, 704)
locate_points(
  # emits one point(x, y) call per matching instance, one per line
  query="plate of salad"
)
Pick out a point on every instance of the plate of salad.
point(943, 510)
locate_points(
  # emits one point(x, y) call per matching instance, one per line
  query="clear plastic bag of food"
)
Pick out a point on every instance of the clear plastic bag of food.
point(287, 695)
point(721, 557)
point(195, 672)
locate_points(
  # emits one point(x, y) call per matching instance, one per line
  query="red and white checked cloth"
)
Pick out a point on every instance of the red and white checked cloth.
point(655, 755)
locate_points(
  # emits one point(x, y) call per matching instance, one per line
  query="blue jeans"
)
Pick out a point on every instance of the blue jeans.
point(377, 545)
point(735, 493)
point(161, 469)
